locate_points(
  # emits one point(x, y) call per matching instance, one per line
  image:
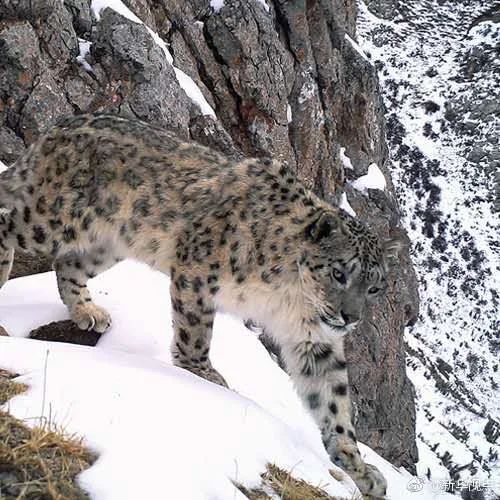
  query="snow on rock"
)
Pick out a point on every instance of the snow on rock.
point(185, 81)
point(127, 400)
point(193, 92)
point(374, 179)
point(345, 205)
point(357, 48)
point(487, 33)
point(84, 50)
point(289, 118)
point(3, 167)
point(346, 161)
point(264, 4)
point(216, 5)
point(307, 91)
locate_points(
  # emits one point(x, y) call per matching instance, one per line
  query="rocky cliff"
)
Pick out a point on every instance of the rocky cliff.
point(438, 63)
point(247, 77)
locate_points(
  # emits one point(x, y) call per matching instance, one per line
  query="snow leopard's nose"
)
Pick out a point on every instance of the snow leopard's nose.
point(349, 319)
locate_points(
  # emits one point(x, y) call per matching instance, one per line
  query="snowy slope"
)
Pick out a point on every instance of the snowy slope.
point(438, 65)
point(160, 431)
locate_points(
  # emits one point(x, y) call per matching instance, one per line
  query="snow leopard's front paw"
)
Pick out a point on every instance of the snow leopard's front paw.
point(370, 482)
point(368, 478)
point(88, 316)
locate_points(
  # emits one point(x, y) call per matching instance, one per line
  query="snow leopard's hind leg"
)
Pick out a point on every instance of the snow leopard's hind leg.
point(193, 313)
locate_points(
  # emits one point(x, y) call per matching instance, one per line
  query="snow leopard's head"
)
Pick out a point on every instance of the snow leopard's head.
point(349, 265)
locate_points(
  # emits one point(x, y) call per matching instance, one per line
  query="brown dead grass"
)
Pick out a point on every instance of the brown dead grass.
point(9, 389)
point(37, 463)
point(285, 486)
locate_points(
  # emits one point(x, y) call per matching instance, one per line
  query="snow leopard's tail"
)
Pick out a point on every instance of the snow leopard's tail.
point(7, 189)
point(6, 260)
point(12, 179)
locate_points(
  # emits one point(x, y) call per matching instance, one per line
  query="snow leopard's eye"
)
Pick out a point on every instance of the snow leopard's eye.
point(339, 276)
point(373, 290)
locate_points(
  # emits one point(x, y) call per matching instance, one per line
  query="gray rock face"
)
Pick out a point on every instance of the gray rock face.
point(144, 82)
point(285, 82)
point(26, 9)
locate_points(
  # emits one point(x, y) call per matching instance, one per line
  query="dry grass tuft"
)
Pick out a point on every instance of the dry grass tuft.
point(38, 463)
point(9, 389)
point(290, 488)
point(284, 485)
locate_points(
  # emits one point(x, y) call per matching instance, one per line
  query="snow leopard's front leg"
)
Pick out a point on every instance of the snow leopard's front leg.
point(319, 373)
point(193, 313)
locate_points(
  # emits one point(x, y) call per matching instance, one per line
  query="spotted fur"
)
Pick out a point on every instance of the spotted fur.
point(245, 237)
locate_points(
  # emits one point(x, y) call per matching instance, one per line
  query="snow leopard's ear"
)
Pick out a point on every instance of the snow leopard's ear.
point(325, 225)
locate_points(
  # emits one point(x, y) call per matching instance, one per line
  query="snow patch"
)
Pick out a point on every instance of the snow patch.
point(118, 6)
point(193, 92)
point(307, 91)
point(485, 33)
point(216, 5)
point(185, 81)
point(345, 205)
point(374, 179)
point(288, 113)
point(3, 167)
point(264, 4)
point(346, 161)
point(358, 49)
point(84, 51)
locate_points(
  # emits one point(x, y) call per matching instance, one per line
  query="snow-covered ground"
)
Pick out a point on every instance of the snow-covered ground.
point(439, 68)
point(160, 431)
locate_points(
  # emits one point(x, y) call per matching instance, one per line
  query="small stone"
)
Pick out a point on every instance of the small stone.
point(65, 331)
point(431, 107)
point(476, 155)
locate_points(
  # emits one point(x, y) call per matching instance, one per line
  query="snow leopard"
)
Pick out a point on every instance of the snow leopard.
point(242, 236)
